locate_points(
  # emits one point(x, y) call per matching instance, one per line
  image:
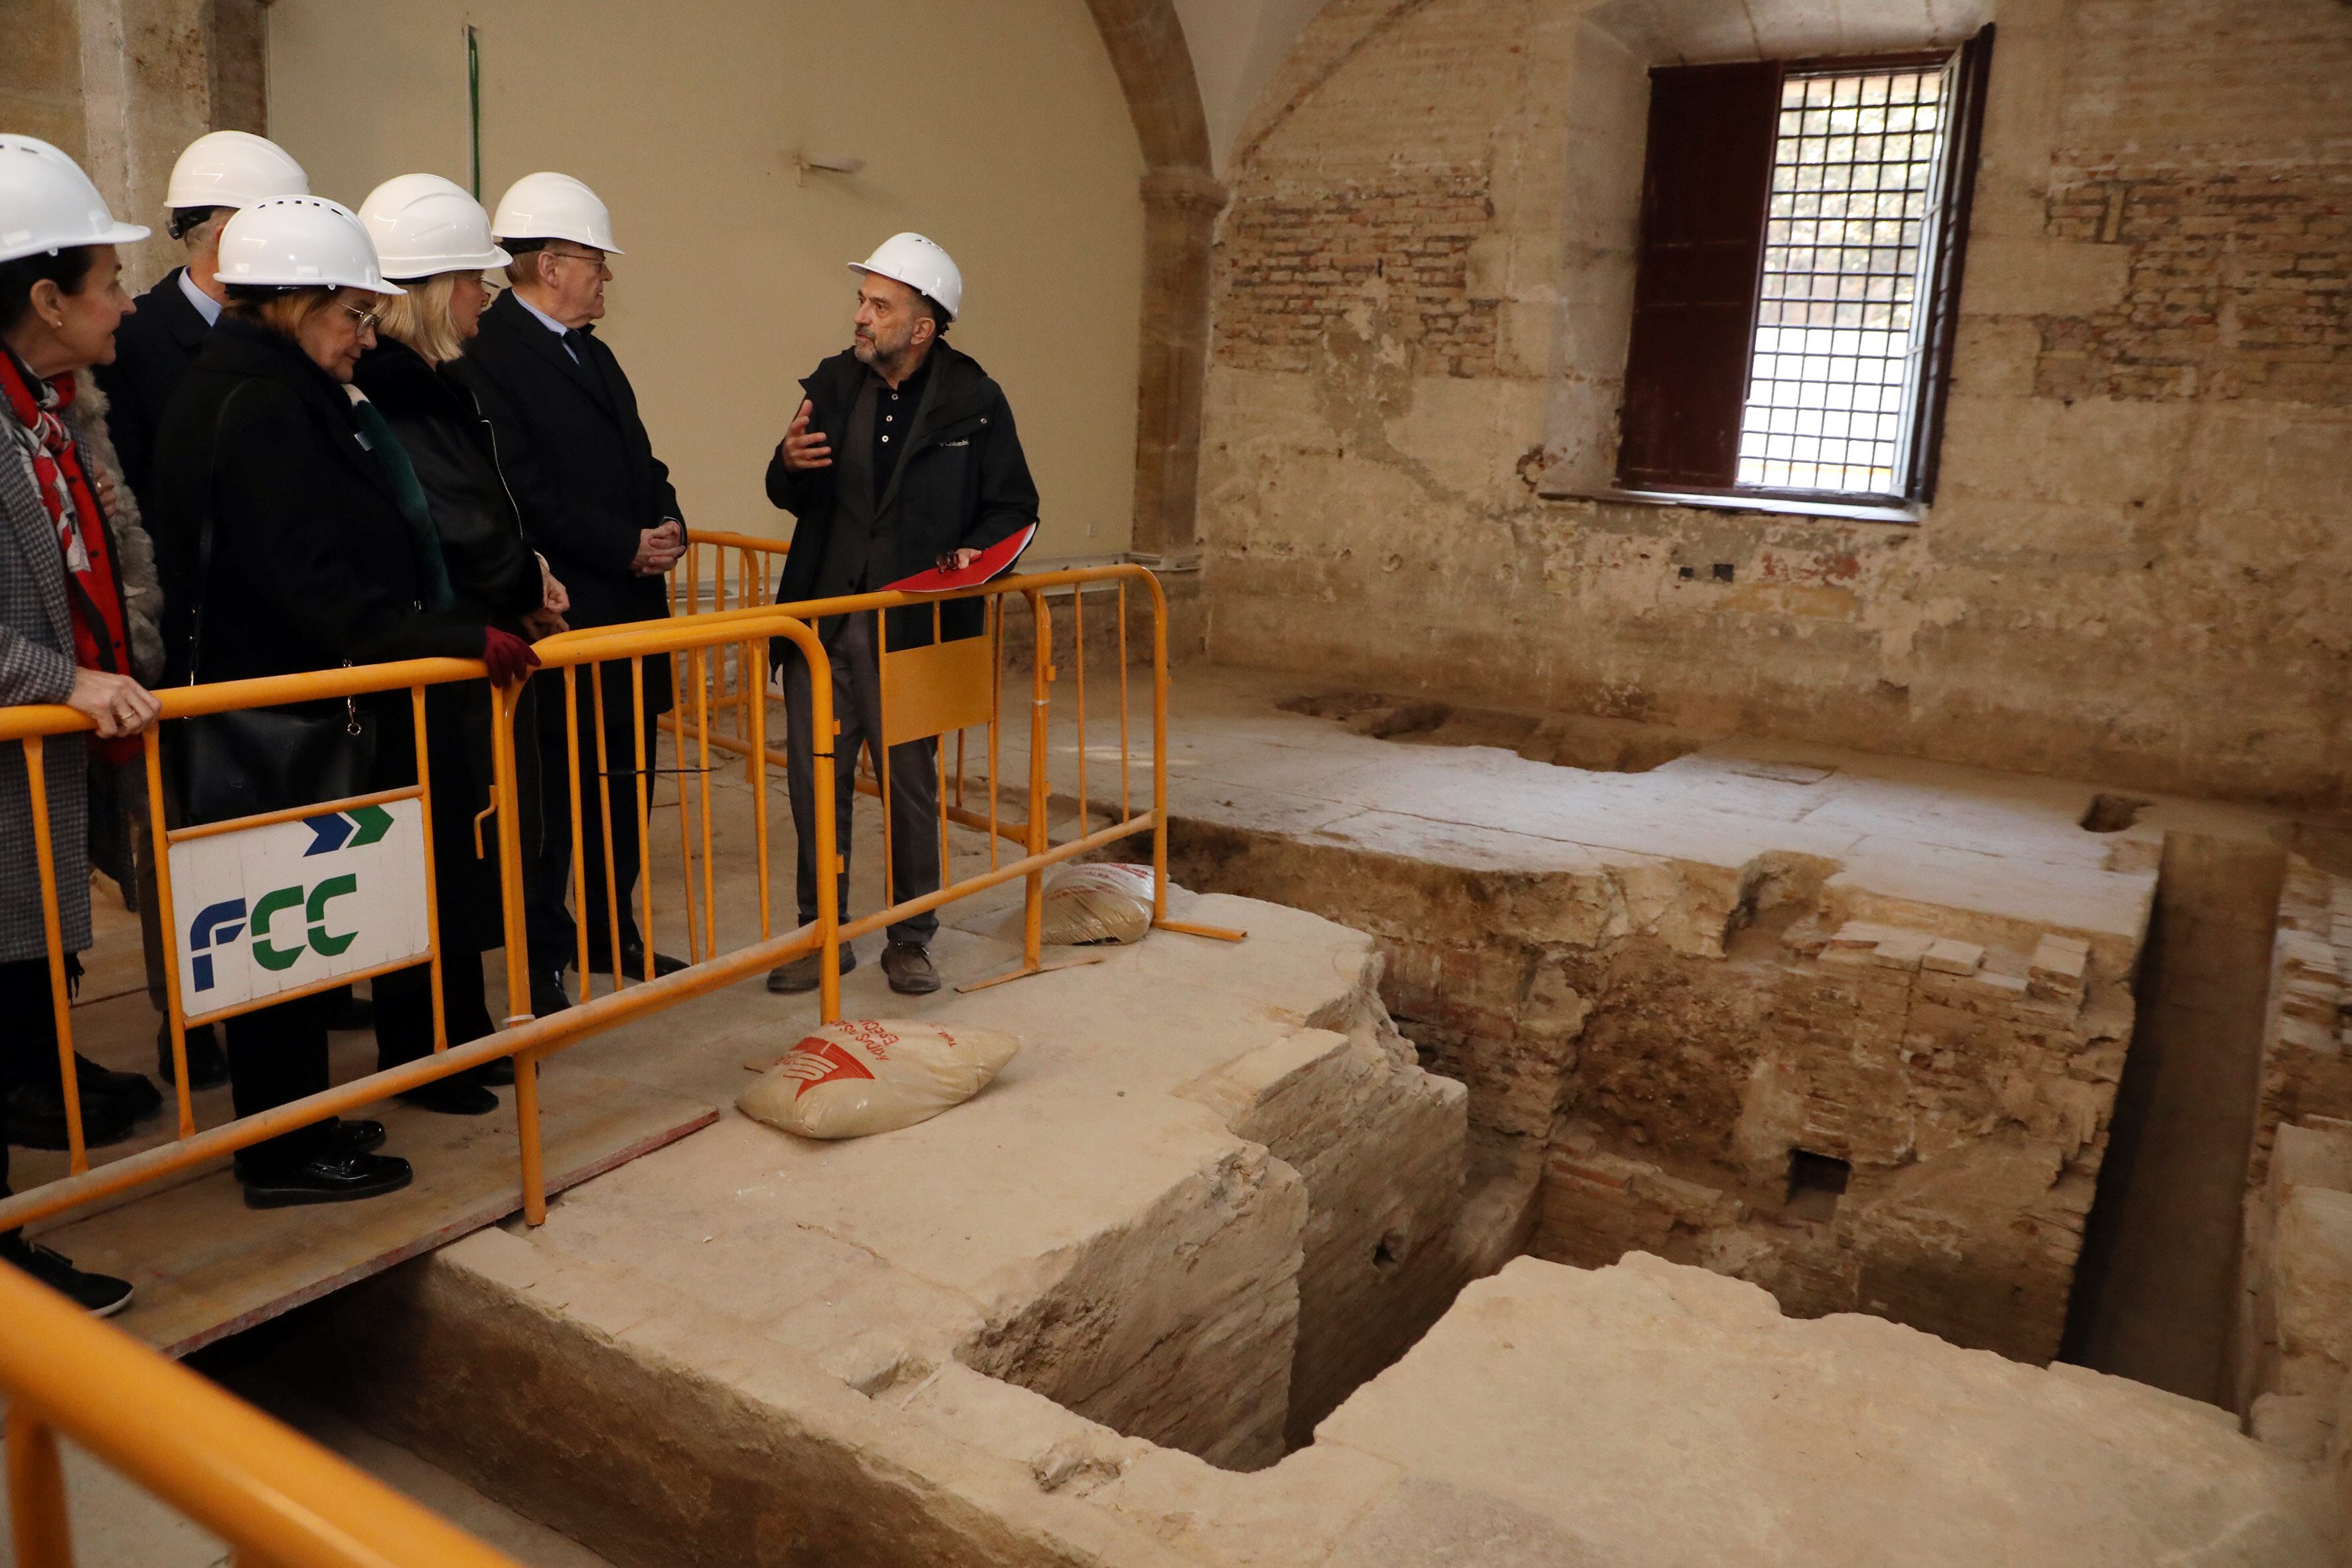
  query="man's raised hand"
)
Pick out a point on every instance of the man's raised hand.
point(804, 449)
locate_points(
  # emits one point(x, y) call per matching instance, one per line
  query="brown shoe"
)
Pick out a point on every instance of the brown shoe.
point(909, 969)
point(803, 973)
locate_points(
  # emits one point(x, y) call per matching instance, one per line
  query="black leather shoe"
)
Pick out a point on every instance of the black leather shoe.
point(101, 1294)
point(498, 1074)
point(633, 963)
point(803, 973)
point(135, 1092)
point(329, 1179)
point(453, 1097)
point(910, 968)
point(357, 1136)
point(345, 1011)
point(207, 1067)
point(37, 1119)
point(547, 994)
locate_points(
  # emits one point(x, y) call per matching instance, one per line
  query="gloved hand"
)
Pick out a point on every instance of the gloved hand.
point(510, 658)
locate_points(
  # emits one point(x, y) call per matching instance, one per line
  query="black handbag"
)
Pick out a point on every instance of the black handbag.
point(259, 760)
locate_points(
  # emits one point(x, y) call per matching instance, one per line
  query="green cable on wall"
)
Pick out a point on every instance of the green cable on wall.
point(474, 101)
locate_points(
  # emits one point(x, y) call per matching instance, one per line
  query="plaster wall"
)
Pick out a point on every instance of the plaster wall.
point(1001, 131)
point(2134, 569)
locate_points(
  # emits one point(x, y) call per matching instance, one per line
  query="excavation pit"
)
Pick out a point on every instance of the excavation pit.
point(1224, 1269)
point(1568, 741)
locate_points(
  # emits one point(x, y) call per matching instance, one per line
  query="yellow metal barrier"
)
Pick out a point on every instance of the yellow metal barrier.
point(529, 1040)
point(280, 1499)
point(944, 688)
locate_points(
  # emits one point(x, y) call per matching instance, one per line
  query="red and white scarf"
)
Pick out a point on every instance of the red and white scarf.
point(35, 430)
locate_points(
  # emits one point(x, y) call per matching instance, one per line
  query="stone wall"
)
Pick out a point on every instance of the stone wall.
point(2308, 1025)
point(1666, 1037)
point(2296, 1329)
point(2130, 568)
point(123, 85)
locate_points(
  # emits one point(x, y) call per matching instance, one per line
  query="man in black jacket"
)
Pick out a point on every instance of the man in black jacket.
point(599, 505)
point(903, 456)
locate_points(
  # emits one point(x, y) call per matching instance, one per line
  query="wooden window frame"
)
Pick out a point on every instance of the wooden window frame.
point(1699, 279)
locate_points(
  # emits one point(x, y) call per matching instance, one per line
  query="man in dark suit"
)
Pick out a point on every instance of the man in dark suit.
point(599, 505)
point(218, 174)
point(903, 456)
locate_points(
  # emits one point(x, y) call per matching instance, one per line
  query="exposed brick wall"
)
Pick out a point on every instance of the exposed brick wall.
point(1292, 263)
point(2241, 283)
point(2126, 575)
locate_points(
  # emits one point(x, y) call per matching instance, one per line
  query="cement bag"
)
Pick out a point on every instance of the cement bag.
point(866, 1075)
point(1096, 902)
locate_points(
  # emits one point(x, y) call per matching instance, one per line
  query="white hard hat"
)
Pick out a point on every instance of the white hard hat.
point(423, 224)
point(300, 242)
point(554, 206)
point(920, 265)
point(234, 169)
point(47, 203)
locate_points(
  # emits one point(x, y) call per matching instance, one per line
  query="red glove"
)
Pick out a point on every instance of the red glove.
point(510, 658)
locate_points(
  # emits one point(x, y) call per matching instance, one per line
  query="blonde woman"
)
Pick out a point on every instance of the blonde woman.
point(434, 239)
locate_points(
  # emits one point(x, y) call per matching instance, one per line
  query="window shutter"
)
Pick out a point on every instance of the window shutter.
point(1705, 188)
point(1957, 184)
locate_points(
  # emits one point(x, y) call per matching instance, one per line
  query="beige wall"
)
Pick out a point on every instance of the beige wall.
point(998, 129)
point(2137, 565)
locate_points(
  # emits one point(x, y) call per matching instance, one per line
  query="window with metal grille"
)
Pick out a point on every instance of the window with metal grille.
point(1797, 283)
point(1833, 375)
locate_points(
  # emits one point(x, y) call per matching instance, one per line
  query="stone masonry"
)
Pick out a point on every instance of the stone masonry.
point(2132, 568)
point(1846, 1029)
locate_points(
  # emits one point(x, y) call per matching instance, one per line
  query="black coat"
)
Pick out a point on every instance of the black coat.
point(494, 576)
point(154, 349)
point(961, 484)
point(313, 564)
point(455, 452)
point(580, 466)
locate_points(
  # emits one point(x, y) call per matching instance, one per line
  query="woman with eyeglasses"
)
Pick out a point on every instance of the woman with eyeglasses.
point(284, 508)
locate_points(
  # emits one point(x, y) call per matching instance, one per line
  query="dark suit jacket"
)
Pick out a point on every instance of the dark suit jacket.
point(963, 483)
point(154, 349)
point(312, 563)
point(580, 466)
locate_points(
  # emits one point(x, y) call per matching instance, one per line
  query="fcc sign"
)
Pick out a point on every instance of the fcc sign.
point(268, 910)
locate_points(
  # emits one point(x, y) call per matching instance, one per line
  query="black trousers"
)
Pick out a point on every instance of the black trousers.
point(404, 1008)
point(914, 775)
point(28, 1045)
point(276, 1055)
point(546, 880)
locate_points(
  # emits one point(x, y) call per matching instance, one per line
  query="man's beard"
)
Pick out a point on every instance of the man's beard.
point(872, 354)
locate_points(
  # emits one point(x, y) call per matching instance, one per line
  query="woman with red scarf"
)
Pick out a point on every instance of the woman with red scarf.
point(61, 630)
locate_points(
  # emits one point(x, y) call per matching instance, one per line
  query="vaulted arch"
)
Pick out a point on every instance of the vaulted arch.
point(1182, 199)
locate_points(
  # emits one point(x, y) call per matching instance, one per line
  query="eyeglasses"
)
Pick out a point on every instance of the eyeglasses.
point(593, 258)
point(367, 319)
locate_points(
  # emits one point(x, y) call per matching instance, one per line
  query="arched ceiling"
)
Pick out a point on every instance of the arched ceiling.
point(1237, 45)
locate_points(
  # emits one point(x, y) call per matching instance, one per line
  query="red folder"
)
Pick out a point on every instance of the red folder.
point(993, 561)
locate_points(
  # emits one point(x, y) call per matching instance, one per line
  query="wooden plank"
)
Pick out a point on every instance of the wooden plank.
point(206, 1267)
